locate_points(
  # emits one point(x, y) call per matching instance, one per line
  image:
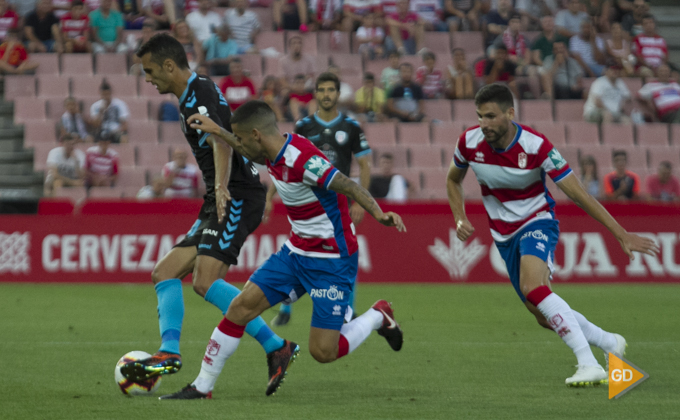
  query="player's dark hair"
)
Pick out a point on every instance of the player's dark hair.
point(257, 114)
point(616, 153)
point(327, 77)
point(496, 93)
point(162, 47)
point(430, 55)
point(649, 16)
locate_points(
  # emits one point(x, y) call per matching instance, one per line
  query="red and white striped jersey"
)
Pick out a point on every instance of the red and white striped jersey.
point(102, 164)
point(319, 217)
point(512, 180)
point(185, 182)
point(666, 96)
point(652, 48)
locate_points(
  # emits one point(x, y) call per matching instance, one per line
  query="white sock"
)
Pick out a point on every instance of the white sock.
point(361, 327)
point(595, 335)
point(561, 318)
point(220, 348)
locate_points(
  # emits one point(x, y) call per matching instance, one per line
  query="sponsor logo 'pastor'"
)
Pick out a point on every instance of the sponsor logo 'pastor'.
point(332, 293)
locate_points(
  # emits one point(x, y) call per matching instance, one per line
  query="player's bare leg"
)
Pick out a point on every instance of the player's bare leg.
point(534, 284)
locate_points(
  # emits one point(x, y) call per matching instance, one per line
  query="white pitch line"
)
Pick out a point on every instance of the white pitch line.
point(464, 343)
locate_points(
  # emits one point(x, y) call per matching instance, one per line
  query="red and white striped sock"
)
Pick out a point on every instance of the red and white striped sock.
point(355, 332)
point(562, 320)
point(223, 343)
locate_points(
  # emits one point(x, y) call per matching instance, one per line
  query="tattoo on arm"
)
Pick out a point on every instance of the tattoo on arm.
point(343, 185)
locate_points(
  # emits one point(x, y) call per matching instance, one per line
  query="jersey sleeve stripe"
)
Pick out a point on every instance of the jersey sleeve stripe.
point(329, 177)
point(201, 142)
point(563, 175)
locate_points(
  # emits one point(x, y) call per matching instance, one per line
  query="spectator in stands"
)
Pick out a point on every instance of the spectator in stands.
point(430, 13)
point(271, 94)
point(301, 101)
point(155, 190)
point(588, 49)
point(107, 29)
point(101, 164)
point(109, 115)
point(649, 48)
point(607, 97)
point(370, 37)
point(569, 20)
point(23, 7)
point(42, 29)
point(355, 10)
point(148, 30)
point(154, 10)
point(192, 47)
point(203, 21)
point(72, 121)
point(429, 78)
point(618, 48)
point(244, 25)
point(661, 97)
point(390, 75)
point(533, 10)
point(290, 15)
point(132, 14)
point(462, 14)
point(405, 30)
point(663, 186)
point(621, 184)
point(460, 82)
point(65, 166)
point(589, 177)
point(501, 70)
point(405, 101)
point(75, 29)
point(13, 56)
point(632, 21)
point(543, 45)
point(181, 178)
point(346, 94)
point(369, 100)
point(325, 15)
point(497, 20)
point(237, 88)
point(517, 46)
point(9, 19)
point(219, 50)
point(561, 75)
point(600, 12)
point(388, 185)
point(61, 7)
point(296, 62)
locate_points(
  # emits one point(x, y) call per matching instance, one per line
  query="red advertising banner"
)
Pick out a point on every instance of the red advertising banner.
point(122, 241)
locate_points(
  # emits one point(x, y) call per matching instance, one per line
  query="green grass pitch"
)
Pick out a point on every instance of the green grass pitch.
point(470, 352)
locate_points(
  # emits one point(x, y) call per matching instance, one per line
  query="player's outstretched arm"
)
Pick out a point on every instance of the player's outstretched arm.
point(343, 185)
point(201, 122)
point(629, 241)
point(454, 190)
point(222, 158)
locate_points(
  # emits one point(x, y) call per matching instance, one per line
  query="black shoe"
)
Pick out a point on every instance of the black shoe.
point(189, 392)
point(161, 363)
point(280, 319)
point(389, 328)
point(279, 361)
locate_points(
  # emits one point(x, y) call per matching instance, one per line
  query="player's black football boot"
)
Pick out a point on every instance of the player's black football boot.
point(189, 392)
point(279, 361)
point(389, 328)
point(161, 363)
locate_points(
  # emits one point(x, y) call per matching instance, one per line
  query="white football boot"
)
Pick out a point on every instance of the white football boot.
point(587, 376)
point(618, 351)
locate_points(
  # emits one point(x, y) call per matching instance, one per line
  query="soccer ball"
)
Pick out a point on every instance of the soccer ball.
point(147, 387)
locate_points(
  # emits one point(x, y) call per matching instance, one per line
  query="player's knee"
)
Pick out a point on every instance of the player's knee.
point(157, 275)
point(323, 355)
point(200, 288)
point(543, 322)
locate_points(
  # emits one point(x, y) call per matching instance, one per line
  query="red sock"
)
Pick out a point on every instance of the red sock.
point(231, 329)
point(537, 295)
point(343, 346)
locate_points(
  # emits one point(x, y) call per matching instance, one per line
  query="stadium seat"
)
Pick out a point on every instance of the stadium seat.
point(399, 155)
point(54, 85)
point(376, 67)
point(582, 132)
point(333, 42)
point(29, 108)
point(587, 82)
point(308, 41)
point(471, 188)
point(106, 192)
point(75, 194)
point(447, 154)
point(617, 134)
point(55, 107)
point(555, 191)
point(447, 133)
point(438, 42)
point(40, 131)
point(252, 63)
point(286, 127)
point(350, 64)
point(17, 86)
point(603, 156)
point(126, 153)
point(413, 133)
point(356, 81)
point(380, 133)
point(569, 110)
point(270, 40)
point(111, 63)
point(139, 108)
point(272, 66)
point(40, 152)
point(171, 132)
point(131, 192)
point(76, 64)
point(434, 179)
point(658, 154)
point(535, 110)
point(571, 155)
point(142, 132)
point(471, 42)
point(48, 63)
point(265, 17)
point(321, 62)
point(438, 109)
point(132, 177)
point(553, 131)
point(464, 110)
point(425, 157)
point(652, 134)
point(120, 85)
point(153, 155)
point(155, 103)
point(675, 134)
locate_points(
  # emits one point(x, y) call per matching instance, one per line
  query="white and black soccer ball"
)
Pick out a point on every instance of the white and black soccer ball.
point(128, 387)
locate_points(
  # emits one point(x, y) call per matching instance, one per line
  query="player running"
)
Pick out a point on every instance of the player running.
point(214, 241)
point(338, 137)
point(510, 162)
point(320, 258)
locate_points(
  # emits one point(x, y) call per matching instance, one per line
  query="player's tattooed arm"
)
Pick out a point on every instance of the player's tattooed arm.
point(343, 185)
point(222, 157)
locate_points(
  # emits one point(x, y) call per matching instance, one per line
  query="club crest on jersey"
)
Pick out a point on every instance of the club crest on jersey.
point(522, 160)
point(340, 137)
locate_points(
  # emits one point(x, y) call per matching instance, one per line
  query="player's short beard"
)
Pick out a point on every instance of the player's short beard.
point(498, 133)
point(333, 103)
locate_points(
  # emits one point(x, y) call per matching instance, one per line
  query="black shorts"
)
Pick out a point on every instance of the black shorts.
point(223, 241)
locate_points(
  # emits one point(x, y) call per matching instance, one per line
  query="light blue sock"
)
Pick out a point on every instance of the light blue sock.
point(222, 293)
point(286, 309)
point(170, 313)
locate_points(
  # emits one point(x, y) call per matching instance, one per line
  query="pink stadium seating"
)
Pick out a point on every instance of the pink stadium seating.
point(380, 133)
point(107, 192)
point(16, 86)
point(464, 110)
point(471, 42)
point(132, 176)
point(55, 107)
point(438, 109)
point(434, 179)
point(349, 64)
point(321, 62)
point(413, 133)
point(257, 82)
point(555, 191)
point(308, 41)
point(40, 131)
point(142, 132)
point(40, 152)
point(130, 192)
point(587, 81)
point(617, 134)
point(146, 90)
point(155, 103)
point(471, 188)
point(675, 134)
point(535, 110)
point(29, 108)
point(333, 41)
point(447, 154)
point(531, 36)
point(265, 17)
point(399, 155)
point(570, 154)
point(355, 81)
point(111, 64)
point(652, 134)
point(376, 67)
point(54, 85)
point(425, 157)
point(48, 63)
point(126, 153)
point(569, 110)
point(272, 66)
point(76, 64)
point(170, 132)
point(270, 40)
point(447, 133)
point(603, 157)
point(76, 194)
point(438, 42)
point(553, 131)
point(153, 156)
point(139, 108)
point(658, 154)
point(252, 63)
point(286, 127)
point(582, 132)
point(89, 86)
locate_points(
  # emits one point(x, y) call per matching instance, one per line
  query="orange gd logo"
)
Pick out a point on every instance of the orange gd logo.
point(623, 376)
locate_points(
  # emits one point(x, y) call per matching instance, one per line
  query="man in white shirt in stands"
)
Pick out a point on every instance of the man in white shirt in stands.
point(181, 178)
point(608, 94)
point(244, 26)
point(203, 21)
point(64, 166)
point(388, 185)
point(109, 115)
point(662, 96)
